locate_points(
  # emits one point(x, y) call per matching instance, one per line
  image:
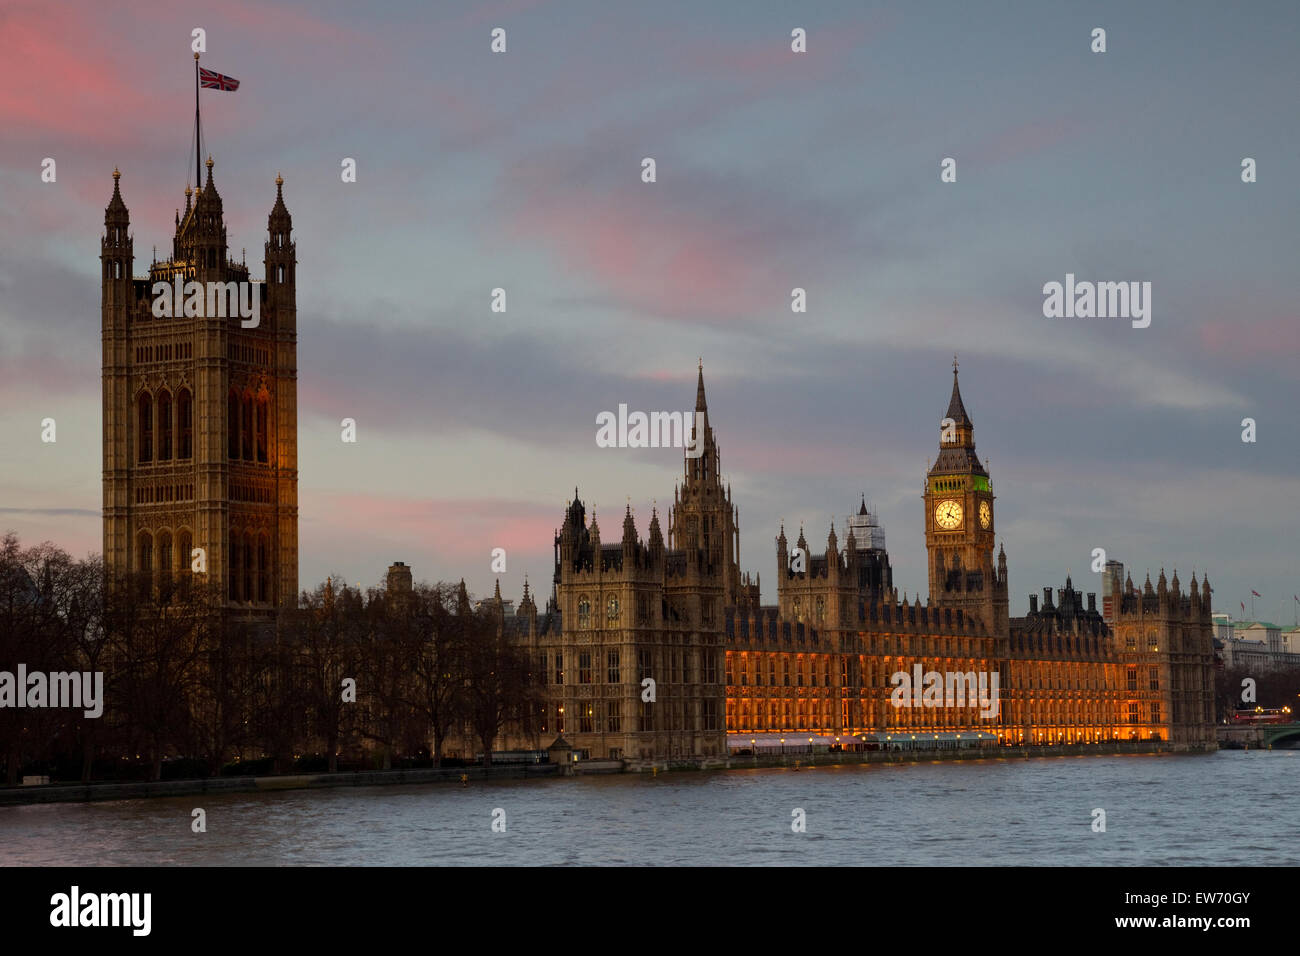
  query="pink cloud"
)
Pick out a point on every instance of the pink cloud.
point(1276, 337)
point(22, 376)
point(462, 526)
point(664, 259)
point(61, 76)
point(1023, 140)
point(93, 72)
point(278, 19)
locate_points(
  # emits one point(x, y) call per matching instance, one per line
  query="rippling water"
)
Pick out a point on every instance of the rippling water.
point(1232, 808)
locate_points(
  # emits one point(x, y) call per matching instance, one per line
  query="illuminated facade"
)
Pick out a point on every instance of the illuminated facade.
point(200, 413)
point(821, 662)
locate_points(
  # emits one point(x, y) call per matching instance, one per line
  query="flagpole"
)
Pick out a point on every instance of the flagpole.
point(198, 129)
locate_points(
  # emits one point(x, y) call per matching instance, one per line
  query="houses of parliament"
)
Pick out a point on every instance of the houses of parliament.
point(649, 648)
point(728, 669)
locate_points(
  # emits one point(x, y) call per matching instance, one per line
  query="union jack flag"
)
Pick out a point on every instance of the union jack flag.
point(216, 81)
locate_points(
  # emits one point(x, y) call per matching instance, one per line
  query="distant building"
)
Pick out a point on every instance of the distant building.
point(506, 607)
point(1257, 645)
point(1111, 578)
point(399, 578)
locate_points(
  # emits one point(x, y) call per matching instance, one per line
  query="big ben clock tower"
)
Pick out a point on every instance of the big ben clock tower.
point(959, 524)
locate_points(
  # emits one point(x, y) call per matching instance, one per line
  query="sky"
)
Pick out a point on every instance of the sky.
point(775, 170)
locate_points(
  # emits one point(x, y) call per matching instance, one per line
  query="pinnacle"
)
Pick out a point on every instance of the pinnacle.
point(956, 409)
point(115, 204)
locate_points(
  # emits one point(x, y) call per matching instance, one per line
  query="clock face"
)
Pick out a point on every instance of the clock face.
point(986, 514)
point(948, 515)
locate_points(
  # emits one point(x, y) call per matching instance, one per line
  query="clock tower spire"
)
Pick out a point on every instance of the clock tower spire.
point(959, 527)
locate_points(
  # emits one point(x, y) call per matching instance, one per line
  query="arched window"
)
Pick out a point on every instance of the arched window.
point(248, 567)
point(246, 427)
point(263, 570)
point(584, 612)
point(144, 561)
point(263, 415)
point(184, 424)
point(165, 426)
point(165, 559)
point(144, 435)
point(232, 425)
point(184, 549)
point(233, 569)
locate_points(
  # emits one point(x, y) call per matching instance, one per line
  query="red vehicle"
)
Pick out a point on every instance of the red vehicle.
point(1263, 715)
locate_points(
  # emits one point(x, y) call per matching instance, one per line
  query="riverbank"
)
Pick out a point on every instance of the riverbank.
point(804, 761)
point(139, 790)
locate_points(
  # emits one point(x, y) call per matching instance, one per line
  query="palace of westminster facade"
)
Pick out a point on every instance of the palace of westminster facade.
point(200, 451)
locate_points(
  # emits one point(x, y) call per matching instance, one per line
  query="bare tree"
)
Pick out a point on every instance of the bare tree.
point(437, 661)
point(157, 643)
point(498, 683)
point(325, 652)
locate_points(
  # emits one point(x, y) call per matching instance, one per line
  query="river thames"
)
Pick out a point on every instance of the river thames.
point(1232, 807)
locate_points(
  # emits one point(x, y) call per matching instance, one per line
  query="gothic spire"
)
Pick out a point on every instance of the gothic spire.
point(957, 410)
point(279, 210)
point(656, 534)
point(116, 208)
point(957, 441)
point(629, 528)
point(209, 193)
